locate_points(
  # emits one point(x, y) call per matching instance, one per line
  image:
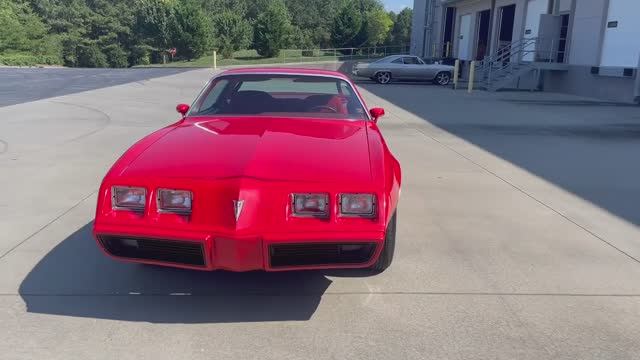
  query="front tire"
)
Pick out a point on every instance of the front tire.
point(442, 78)
point(383, 77)
point(386, 257)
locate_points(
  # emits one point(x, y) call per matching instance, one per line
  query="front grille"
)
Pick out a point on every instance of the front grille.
point(320, 254)
point(170, 251)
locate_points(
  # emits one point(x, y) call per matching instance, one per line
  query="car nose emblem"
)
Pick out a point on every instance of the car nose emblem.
point(237, 208)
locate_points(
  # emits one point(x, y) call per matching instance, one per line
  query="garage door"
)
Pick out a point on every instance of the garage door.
point(464, 52)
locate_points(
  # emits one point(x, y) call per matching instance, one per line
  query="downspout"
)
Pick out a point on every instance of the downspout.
point(428, 27)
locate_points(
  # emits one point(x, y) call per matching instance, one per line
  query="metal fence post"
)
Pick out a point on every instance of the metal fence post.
point(456, 70)
point(215, 60)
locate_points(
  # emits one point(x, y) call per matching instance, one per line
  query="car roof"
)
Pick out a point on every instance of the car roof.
point(393, 57)
point(286, 70)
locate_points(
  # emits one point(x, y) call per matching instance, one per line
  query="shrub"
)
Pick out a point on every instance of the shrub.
point(20, 59)
point(116, 56)
point(89, 55)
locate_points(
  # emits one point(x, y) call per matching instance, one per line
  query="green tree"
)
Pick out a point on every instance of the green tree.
point(90, 55)
point(366, 7)
point(231, 32)
point(23, 31)
point(272, 29)
point(401, 32)
point(377, 26)
point(300, 39)
point(190, 30)
point(315, 17)
point(119, 33)
point(110, 24)
point(347, 25)
point(153, 24)
point(255, 8)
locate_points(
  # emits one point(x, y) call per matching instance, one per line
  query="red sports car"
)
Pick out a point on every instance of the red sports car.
point(269, 169)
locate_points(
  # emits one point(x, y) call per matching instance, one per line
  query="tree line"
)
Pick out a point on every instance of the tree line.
point(121, 33)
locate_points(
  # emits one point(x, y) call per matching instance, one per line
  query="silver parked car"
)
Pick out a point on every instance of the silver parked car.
point(404, 67)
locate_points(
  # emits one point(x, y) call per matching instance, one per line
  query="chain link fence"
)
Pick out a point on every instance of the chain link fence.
point(341, 54)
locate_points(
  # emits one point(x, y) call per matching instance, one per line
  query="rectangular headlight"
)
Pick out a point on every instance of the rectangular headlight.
point(361, 205)
point(177, 201)
point(128, 198)
point(310, 205)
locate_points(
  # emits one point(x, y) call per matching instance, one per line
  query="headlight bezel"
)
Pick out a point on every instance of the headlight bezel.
point(367, 215)
point(118, 205)
point(173, 210)
point(309, 214)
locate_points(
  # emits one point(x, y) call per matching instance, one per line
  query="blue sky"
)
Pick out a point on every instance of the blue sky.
point(397, 5)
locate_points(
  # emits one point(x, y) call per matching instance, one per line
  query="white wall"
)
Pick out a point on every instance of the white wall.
point(586, 32)
point(564, 5)
point(417, 27)
point(535, 8)
point(621, 45)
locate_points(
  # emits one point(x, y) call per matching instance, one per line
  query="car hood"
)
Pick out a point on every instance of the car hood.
point(289, 149)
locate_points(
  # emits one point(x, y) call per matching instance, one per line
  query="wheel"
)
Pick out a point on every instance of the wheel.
point(442, 78)
point(386, 257)
point(383, 77)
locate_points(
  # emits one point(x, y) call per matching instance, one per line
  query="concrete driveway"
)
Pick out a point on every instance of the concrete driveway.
point(514, 242)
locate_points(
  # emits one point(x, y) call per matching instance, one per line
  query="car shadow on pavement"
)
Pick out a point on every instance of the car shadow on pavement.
point(77, 279)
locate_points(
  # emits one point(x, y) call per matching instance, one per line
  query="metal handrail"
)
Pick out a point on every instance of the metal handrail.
point(508, 57)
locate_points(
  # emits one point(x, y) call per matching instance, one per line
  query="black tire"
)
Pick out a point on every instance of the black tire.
point(443, 78)
point(383, 77)
point(386, 257)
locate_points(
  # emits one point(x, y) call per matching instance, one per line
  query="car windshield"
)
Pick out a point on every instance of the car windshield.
point(280, 94)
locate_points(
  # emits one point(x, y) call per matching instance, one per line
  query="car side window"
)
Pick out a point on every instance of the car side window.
point(410, 60)
point(397, 61)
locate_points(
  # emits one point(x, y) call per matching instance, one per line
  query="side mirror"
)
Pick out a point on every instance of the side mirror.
point(376, 113)
point(182, 109)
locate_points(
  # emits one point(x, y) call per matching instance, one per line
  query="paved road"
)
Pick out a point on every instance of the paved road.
point(497, 258)
point(20, 85)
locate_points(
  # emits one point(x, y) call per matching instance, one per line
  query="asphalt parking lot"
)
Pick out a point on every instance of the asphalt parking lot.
point(28, 84)
point(518, 237)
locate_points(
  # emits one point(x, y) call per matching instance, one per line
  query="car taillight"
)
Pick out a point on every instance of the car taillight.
point(128, 198)
point(310, 205)
point(361, 205)
point(177, 201)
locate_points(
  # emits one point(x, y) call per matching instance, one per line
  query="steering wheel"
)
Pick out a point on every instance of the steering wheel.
point(324, 109)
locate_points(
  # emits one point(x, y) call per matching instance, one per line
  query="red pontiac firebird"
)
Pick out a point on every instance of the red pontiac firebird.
point(269, 169)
